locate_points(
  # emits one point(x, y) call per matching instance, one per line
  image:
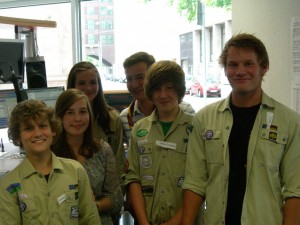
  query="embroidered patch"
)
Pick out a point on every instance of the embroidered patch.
point(145, 161)
point(141, 133)
point(148, 177)
point(74, 212)
point(22, 206)
point(141, 149)
point(13, 188)
point(209, 134)
point(272, 136)
point(189, 129)
point(73, 186)
point(147, 189)
point(180, 181)
point(273, 128)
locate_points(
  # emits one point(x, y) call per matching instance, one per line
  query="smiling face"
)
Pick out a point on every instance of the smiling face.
point(36, 136)
point(244, 72)
point(76, 119)
point(87, 82)
point(165, 98)
point(135, 75)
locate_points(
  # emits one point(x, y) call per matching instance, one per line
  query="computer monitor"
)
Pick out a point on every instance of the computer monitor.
point(12, 57)
point(47, 94)
point(8, 100)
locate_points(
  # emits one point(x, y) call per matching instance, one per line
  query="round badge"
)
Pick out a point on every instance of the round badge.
point(22, 206)
point(209, 134)
point(141, 149)
point(145, 161)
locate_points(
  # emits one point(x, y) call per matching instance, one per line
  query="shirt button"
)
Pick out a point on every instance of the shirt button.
point(40, 176)
point(163, 208)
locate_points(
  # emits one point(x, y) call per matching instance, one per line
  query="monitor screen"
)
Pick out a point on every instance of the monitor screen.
point(12, 55)
point(8, 100)
point(47, 94)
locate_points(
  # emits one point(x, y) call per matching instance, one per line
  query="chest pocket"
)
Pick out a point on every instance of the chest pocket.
point(213, 146)
point(30, 212)
point(178, 158)
point(271, 146)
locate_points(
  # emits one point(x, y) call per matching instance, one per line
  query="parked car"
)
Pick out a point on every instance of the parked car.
point(196, 89)
point(213, 89)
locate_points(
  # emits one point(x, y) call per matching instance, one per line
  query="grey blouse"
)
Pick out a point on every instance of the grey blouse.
point(101, 169)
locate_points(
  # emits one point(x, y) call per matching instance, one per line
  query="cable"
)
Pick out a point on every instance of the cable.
point(21, 94)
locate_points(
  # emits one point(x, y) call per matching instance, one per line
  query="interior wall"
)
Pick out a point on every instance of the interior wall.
point(270, 21)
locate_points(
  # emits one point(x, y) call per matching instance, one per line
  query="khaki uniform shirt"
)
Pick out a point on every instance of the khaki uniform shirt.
point(273, 162)
point(115, 140)
point(27, 198)
point(157, 162)
point(136, 115)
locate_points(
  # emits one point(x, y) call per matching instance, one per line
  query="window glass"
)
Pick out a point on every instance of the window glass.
point(110, 31)
point(54, 44)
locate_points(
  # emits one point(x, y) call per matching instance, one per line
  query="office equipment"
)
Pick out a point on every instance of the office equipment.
point(118, 99)
point(36, 72)
point(46, 94)
point(8, 100)
point(12, 59)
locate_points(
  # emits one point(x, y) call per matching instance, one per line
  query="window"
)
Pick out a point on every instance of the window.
point(211, 44)
point(112, 30)
point(54, 44)
point(91, 25)
point(222, 35)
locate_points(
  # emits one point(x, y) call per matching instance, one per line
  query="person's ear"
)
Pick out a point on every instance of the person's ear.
point(264, 70)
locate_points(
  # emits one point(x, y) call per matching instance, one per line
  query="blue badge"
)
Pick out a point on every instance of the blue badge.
point(13, 188)
point(209, 134)
point(73, 186)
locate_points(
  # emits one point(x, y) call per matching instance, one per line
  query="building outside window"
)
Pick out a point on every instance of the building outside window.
point(109, 31)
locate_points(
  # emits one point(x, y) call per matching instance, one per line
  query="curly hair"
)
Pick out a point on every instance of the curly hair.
point(27, 111)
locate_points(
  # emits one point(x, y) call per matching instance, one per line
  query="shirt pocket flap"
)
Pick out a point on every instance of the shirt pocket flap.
point(211, 134)
point(275, 136)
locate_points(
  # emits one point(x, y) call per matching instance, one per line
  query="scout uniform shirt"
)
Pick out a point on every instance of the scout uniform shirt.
point(273, 162)
point(130, 115)
point(157, 162)
point(27, 198)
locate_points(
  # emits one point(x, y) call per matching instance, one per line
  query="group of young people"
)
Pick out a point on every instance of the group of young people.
point(234, 162)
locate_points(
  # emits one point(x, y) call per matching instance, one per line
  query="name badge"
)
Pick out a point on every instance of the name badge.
point(166, 144)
